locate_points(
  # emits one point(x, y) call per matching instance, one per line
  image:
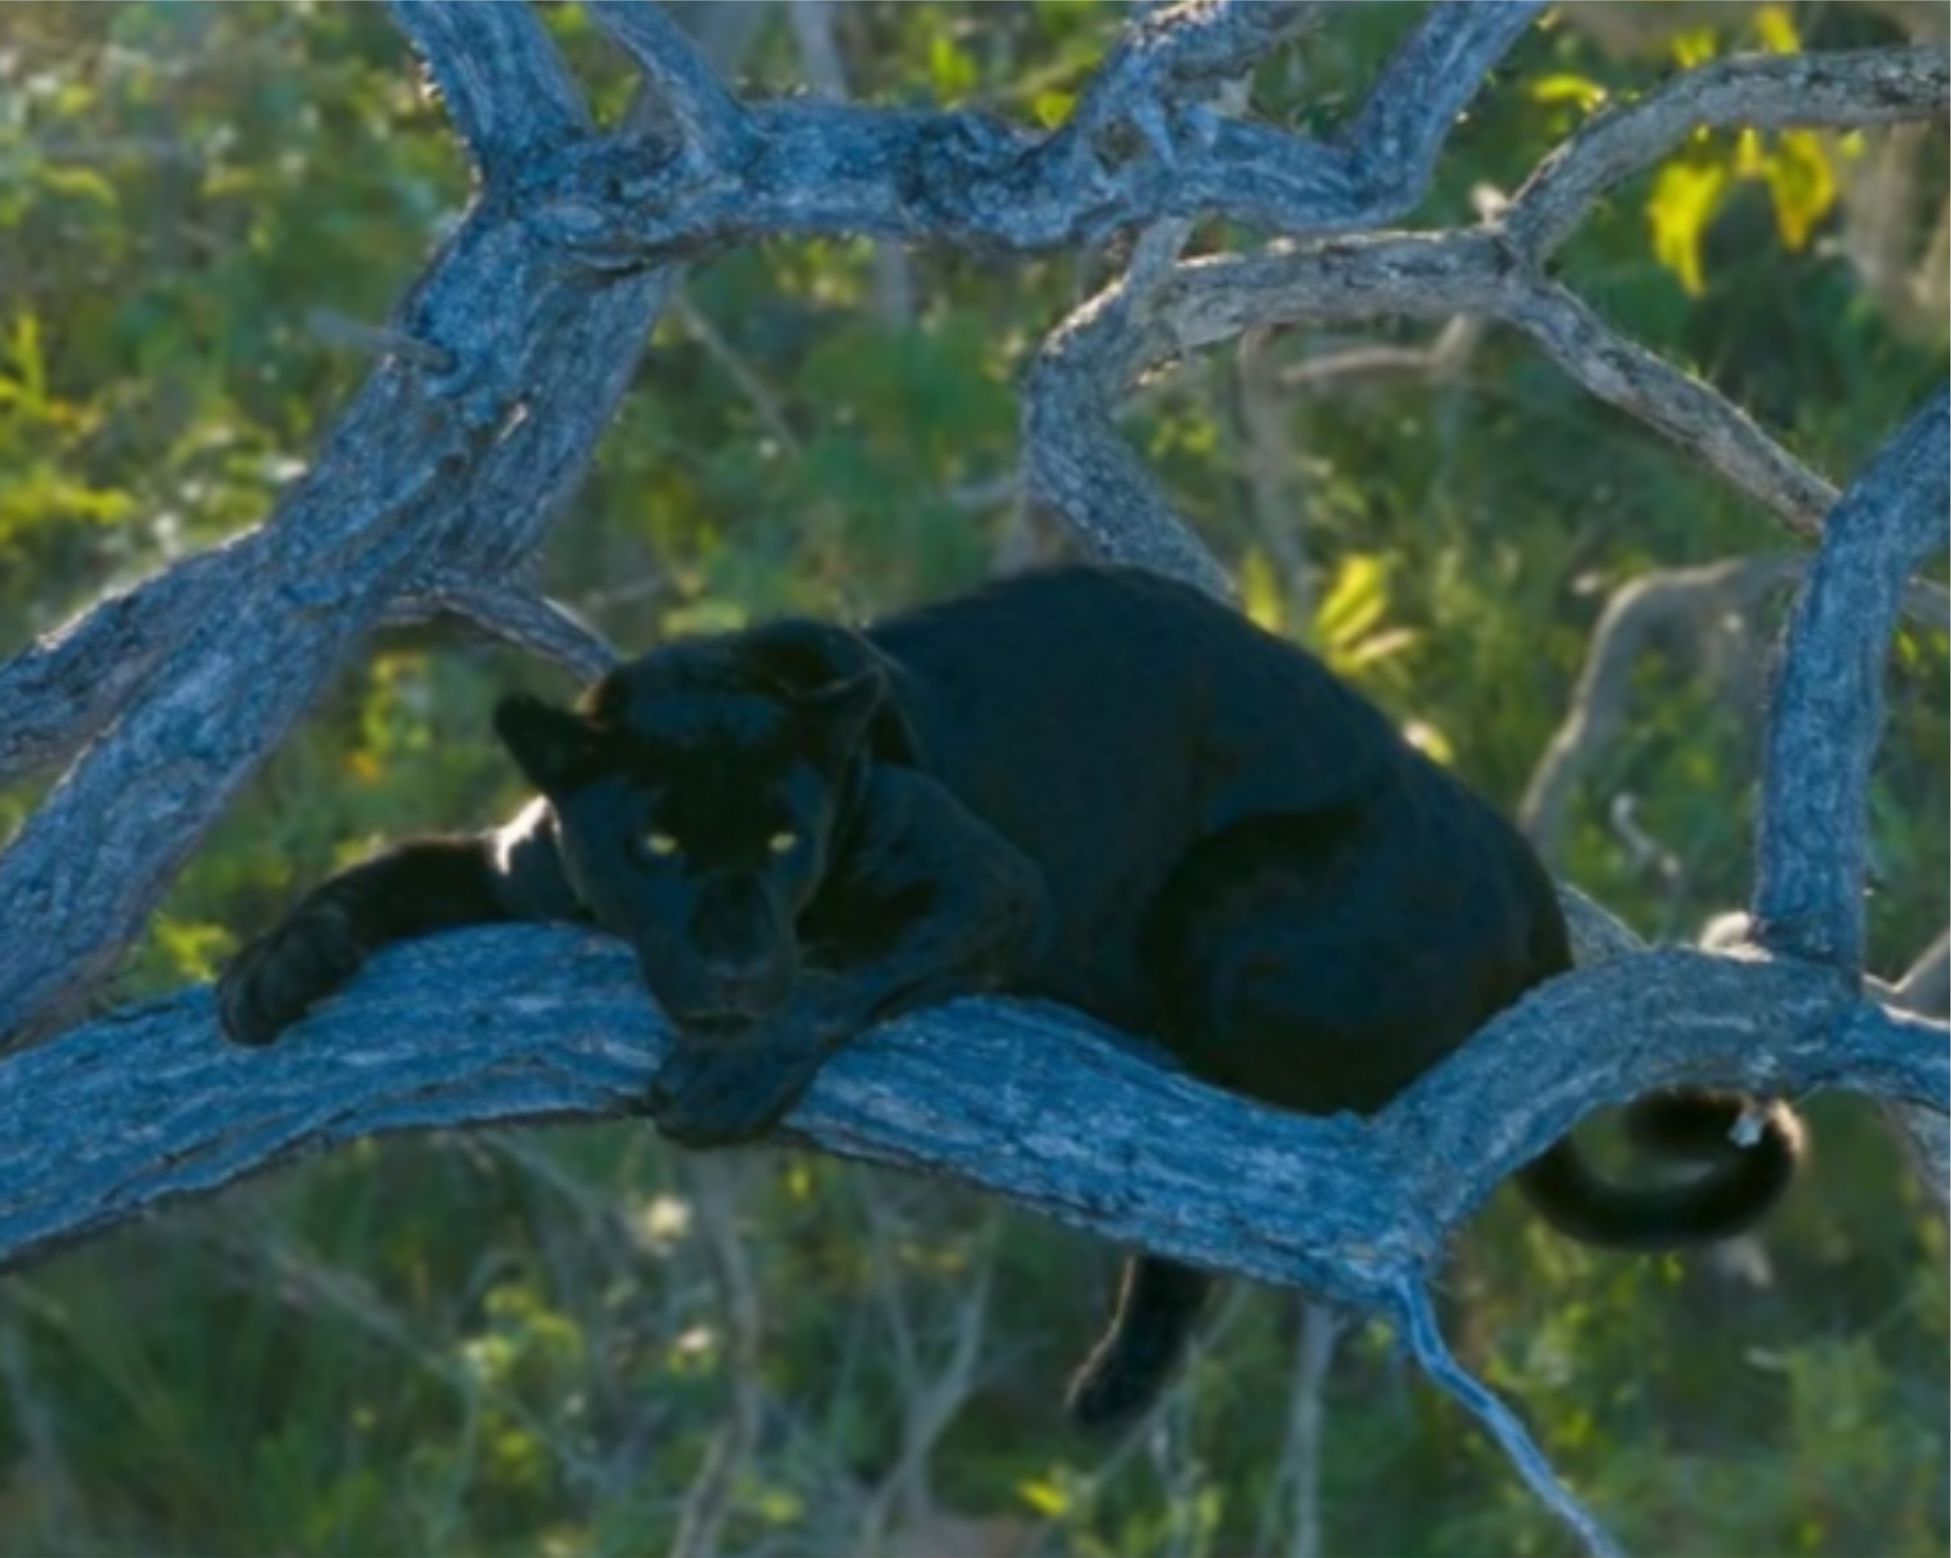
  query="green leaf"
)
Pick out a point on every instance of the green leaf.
point(1685, 200)
point(1355, 602)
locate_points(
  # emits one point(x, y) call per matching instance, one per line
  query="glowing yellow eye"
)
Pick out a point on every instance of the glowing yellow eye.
point(782, 843)
point(660, 843)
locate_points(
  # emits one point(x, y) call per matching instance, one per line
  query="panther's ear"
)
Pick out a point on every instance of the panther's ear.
point(837, 714)
point(554, 747)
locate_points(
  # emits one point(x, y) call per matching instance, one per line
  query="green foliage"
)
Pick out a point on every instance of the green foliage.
point(522, 1343)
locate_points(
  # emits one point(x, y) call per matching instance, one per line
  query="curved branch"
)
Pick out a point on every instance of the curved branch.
point(1639, 613)
point(1074, 460)
point(517, 615)
point(1435, 276)
point(423, 468)
point(1687, 411)
point(1763, 92)
point(1828, 708)
point(1142, 147)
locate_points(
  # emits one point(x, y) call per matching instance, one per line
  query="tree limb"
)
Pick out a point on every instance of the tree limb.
point(1763, 92)
point(506, 361)
point(520, 616)
point(1828, 713)
point(463, 467)
point(148, 1106)
point(1142, 147)
point(1074, 460)
point(1640, 612)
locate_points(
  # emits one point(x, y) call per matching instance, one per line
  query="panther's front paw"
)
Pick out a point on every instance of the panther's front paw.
point(277, 978)
point(703, 1096)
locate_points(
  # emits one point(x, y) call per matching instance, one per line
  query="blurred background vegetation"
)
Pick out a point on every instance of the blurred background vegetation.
point(580, 1342)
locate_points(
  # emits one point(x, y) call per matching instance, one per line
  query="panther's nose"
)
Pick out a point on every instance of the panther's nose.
point(738, 973)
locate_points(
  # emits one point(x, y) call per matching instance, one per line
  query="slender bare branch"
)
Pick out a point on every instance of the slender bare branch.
point(1442, 359)
point(1687, 411)
point(520, 616)
point(1434, 276)
point(680, 77)
point(1765, 92)
point(1648, 609)
point(1417, 1318)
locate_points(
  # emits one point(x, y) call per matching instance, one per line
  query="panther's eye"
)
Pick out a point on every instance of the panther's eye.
point(663, 845)
point(783, 842)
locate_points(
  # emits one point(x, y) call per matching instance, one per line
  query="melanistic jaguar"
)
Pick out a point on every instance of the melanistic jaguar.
point(1089, 785)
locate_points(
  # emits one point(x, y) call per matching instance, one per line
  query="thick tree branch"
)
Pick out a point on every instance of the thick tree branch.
point(1143, 146)
point(1829, 704)
point(61, 691)
point(424, 468)
point(506, 361)
point(149, 1105)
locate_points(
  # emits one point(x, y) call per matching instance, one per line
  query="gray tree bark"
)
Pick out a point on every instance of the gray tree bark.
point(503, 365)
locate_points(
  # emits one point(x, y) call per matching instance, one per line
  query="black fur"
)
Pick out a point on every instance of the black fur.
point(1089, 785)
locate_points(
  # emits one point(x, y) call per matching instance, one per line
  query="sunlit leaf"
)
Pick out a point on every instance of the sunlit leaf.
point(1429, 741)
point(77, 183)
point(1567, 87)
point(950, 69)
point(1685, 199)
point(1694, 46)
point(1046, 1498)
point(1803, 184)
point(1776, 29)
point(1053, 107)
point(1260, 595)
point(1354, 603)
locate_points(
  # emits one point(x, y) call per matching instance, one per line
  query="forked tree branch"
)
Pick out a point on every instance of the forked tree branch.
point(504, 364)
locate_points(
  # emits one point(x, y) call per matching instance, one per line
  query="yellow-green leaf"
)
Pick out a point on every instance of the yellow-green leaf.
point(1694, 46)
point(1046, 1498)
point(1260, 594)
point(1355, 602)
point(80, 183)
point(1053, 107)
point(1567, 87)
point(1776, 29)
point(950, 69)
point(1802, 183)
point(1685, 198)
point(1373, 650)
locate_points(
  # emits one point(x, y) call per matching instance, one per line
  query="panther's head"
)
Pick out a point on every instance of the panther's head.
point(697, 798)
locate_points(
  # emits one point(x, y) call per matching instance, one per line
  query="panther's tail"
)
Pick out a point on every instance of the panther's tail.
point(1735, 1185)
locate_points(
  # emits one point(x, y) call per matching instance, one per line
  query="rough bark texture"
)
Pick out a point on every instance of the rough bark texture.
point(502, 367)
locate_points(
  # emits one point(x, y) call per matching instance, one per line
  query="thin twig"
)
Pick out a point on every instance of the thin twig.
point(1417, 1321)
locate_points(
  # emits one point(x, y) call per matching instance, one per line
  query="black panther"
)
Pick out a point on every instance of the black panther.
point(1090, 785)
